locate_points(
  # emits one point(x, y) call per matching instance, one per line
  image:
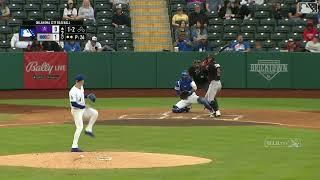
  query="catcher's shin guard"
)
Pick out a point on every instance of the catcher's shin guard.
point(204, 102)
point(214, 105)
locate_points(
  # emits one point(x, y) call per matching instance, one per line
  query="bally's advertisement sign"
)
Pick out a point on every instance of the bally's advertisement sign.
point(45, 70)
point(269, 69)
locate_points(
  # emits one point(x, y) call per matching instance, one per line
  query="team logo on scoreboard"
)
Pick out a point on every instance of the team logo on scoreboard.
point(269, 68)
point(308, 7)
point(44, 29)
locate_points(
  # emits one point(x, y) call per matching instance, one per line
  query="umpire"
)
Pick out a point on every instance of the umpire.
point(199, 74)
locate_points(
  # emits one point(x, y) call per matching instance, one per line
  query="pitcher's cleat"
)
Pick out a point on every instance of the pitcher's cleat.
point(76, 150)
point(89, 134)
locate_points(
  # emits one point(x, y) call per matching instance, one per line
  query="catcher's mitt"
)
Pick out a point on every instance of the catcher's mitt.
point(92, 97)
point(184, 95)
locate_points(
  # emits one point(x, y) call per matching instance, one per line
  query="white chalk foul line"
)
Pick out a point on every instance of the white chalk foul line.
point(123, 116)
point(238, 117)
point(26, 124)
point(177, 117)
point(274, 123)
point(127, 117)
point(197, 117)
point(165, 115)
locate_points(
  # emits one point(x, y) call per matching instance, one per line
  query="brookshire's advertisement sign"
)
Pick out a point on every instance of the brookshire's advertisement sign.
point(45, 70)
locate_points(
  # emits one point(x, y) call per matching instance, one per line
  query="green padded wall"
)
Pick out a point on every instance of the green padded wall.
point(11, 74)
point(96, 67)
point(269, 70)
point(233, 69)
point(134, 70)
point(306, 71)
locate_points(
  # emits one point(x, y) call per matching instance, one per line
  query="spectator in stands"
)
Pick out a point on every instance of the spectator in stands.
point(202, 45)
point(119, 18)
point(229, 10)
point(318, 17)
point(277, 11)
point(195, 1)
point(294, 12)
point(51, 46)
point(116, 2)
point(182, 43)
point(178, 17)
point(35, 46)
point(309, 31)
point(191, 2)
point(313, 45)
point(182, 29)
point(197, 15)
point(293, 46)
point(199, 34)
point(72, 46)
point(257, 46)
point(243, 12)
point(4, 10)
point(259, 2)
point(70, 12)
point(86, 11)
point(94, 46)
point(213, 5)
point(240, 45)
point(16, 43)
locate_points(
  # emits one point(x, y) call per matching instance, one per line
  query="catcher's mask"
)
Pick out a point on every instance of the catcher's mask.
point(184, 74)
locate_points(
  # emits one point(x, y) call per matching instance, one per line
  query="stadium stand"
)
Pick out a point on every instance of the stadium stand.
point(262, 26)
point(150, 25)
point(151, 28)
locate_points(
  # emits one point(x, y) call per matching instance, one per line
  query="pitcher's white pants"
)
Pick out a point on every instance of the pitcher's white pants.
point(78, 115)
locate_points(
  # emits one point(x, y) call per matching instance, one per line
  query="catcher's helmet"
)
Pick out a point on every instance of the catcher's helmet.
point(185, 74)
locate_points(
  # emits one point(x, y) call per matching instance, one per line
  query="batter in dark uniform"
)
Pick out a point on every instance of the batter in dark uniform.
point(213, 74)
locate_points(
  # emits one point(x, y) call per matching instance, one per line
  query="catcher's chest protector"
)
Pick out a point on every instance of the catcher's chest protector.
point(185, 84)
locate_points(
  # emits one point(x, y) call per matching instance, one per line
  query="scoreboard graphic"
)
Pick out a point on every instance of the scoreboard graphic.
point(52, 31)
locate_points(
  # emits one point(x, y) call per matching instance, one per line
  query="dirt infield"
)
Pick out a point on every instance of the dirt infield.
point(99, 160)
point(33, 115)
point(261, 93)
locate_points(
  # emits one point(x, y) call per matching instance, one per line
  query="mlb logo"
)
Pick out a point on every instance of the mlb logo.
point(308, 7)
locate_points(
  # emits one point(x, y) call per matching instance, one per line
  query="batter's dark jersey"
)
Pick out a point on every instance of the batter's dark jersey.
point(214, 72)
point(199, 76)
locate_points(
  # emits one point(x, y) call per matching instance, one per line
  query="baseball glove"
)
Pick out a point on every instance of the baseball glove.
point(92, 97)
point(184, 95)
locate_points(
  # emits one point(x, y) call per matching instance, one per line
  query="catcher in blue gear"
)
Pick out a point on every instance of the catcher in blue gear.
point(186, 89)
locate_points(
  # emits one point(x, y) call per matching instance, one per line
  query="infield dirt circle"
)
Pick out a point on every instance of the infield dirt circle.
point(99, 160)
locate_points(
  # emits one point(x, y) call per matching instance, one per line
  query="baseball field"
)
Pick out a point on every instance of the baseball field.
point(261, 135)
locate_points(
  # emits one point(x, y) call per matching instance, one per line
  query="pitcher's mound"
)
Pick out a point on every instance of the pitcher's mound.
point(99, 160)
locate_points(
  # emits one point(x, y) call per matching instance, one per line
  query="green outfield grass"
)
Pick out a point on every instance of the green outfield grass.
point(238, 152)
point(6, 117)
point(227, 103)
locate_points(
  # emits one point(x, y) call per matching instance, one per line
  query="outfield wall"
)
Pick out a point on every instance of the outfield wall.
point(161, 69)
